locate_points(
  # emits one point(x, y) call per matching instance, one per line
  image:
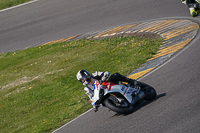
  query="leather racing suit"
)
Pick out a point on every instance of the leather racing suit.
point(102, 76)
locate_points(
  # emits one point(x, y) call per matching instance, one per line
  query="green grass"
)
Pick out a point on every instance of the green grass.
point(9, 3)
point(38, 87)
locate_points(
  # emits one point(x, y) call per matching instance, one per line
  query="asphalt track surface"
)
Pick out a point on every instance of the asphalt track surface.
point(177, 81)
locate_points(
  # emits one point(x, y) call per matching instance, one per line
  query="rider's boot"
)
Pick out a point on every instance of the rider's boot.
point(125, 79)
point(115, 78)
point(132, 82)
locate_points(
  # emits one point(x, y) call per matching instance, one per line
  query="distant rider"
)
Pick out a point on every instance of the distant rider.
point(193, 6)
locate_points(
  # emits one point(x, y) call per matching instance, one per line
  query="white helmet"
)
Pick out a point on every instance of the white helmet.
point(83, 76)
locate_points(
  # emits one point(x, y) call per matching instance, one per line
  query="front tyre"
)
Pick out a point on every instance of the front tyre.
point(150, 94)
point(122, 108)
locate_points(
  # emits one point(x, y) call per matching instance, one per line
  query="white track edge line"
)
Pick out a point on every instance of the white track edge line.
point(18, 5)
point(72, 120)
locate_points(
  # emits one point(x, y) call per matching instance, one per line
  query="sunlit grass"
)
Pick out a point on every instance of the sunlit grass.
point(39, 91)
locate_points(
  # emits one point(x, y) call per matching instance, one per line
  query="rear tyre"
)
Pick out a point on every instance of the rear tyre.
point(127, 108)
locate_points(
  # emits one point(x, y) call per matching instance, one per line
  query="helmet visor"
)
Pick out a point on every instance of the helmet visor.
point(85, 80)
point(82, 80)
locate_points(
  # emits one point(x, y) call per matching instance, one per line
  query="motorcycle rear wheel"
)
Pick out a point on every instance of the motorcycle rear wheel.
point(121, 110)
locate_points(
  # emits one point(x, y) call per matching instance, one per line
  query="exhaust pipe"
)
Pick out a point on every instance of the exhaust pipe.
point(141, 95)
point(138, 97)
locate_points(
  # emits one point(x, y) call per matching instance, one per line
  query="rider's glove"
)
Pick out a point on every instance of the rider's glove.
point(105, 76)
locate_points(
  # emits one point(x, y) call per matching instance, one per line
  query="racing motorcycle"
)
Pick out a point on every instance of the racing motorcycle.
point(121, 98)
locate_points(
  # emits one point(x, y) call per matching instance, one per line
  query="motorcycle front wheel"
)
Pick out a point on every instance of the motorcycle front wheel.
point(126, 108)
point(150, 92)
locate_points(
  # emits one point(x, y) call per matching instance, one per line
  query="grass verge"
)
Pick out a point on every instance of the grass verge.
point(9, 3)
point(38, 87)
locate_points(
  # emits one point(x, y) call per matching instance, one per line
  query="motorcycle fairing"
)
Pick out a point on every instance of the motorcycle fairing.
point(122, 89)
point(111, 88)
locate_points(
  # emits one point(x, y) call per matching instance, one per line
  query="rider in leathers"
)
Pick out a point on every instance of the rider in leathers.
point(88, 80)
point(193, 7)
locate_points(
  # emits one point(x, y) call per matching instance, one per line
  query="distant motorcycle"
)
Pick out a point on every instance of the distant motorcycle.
point(195, 5)
point(120, 98)
point(198, 1)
